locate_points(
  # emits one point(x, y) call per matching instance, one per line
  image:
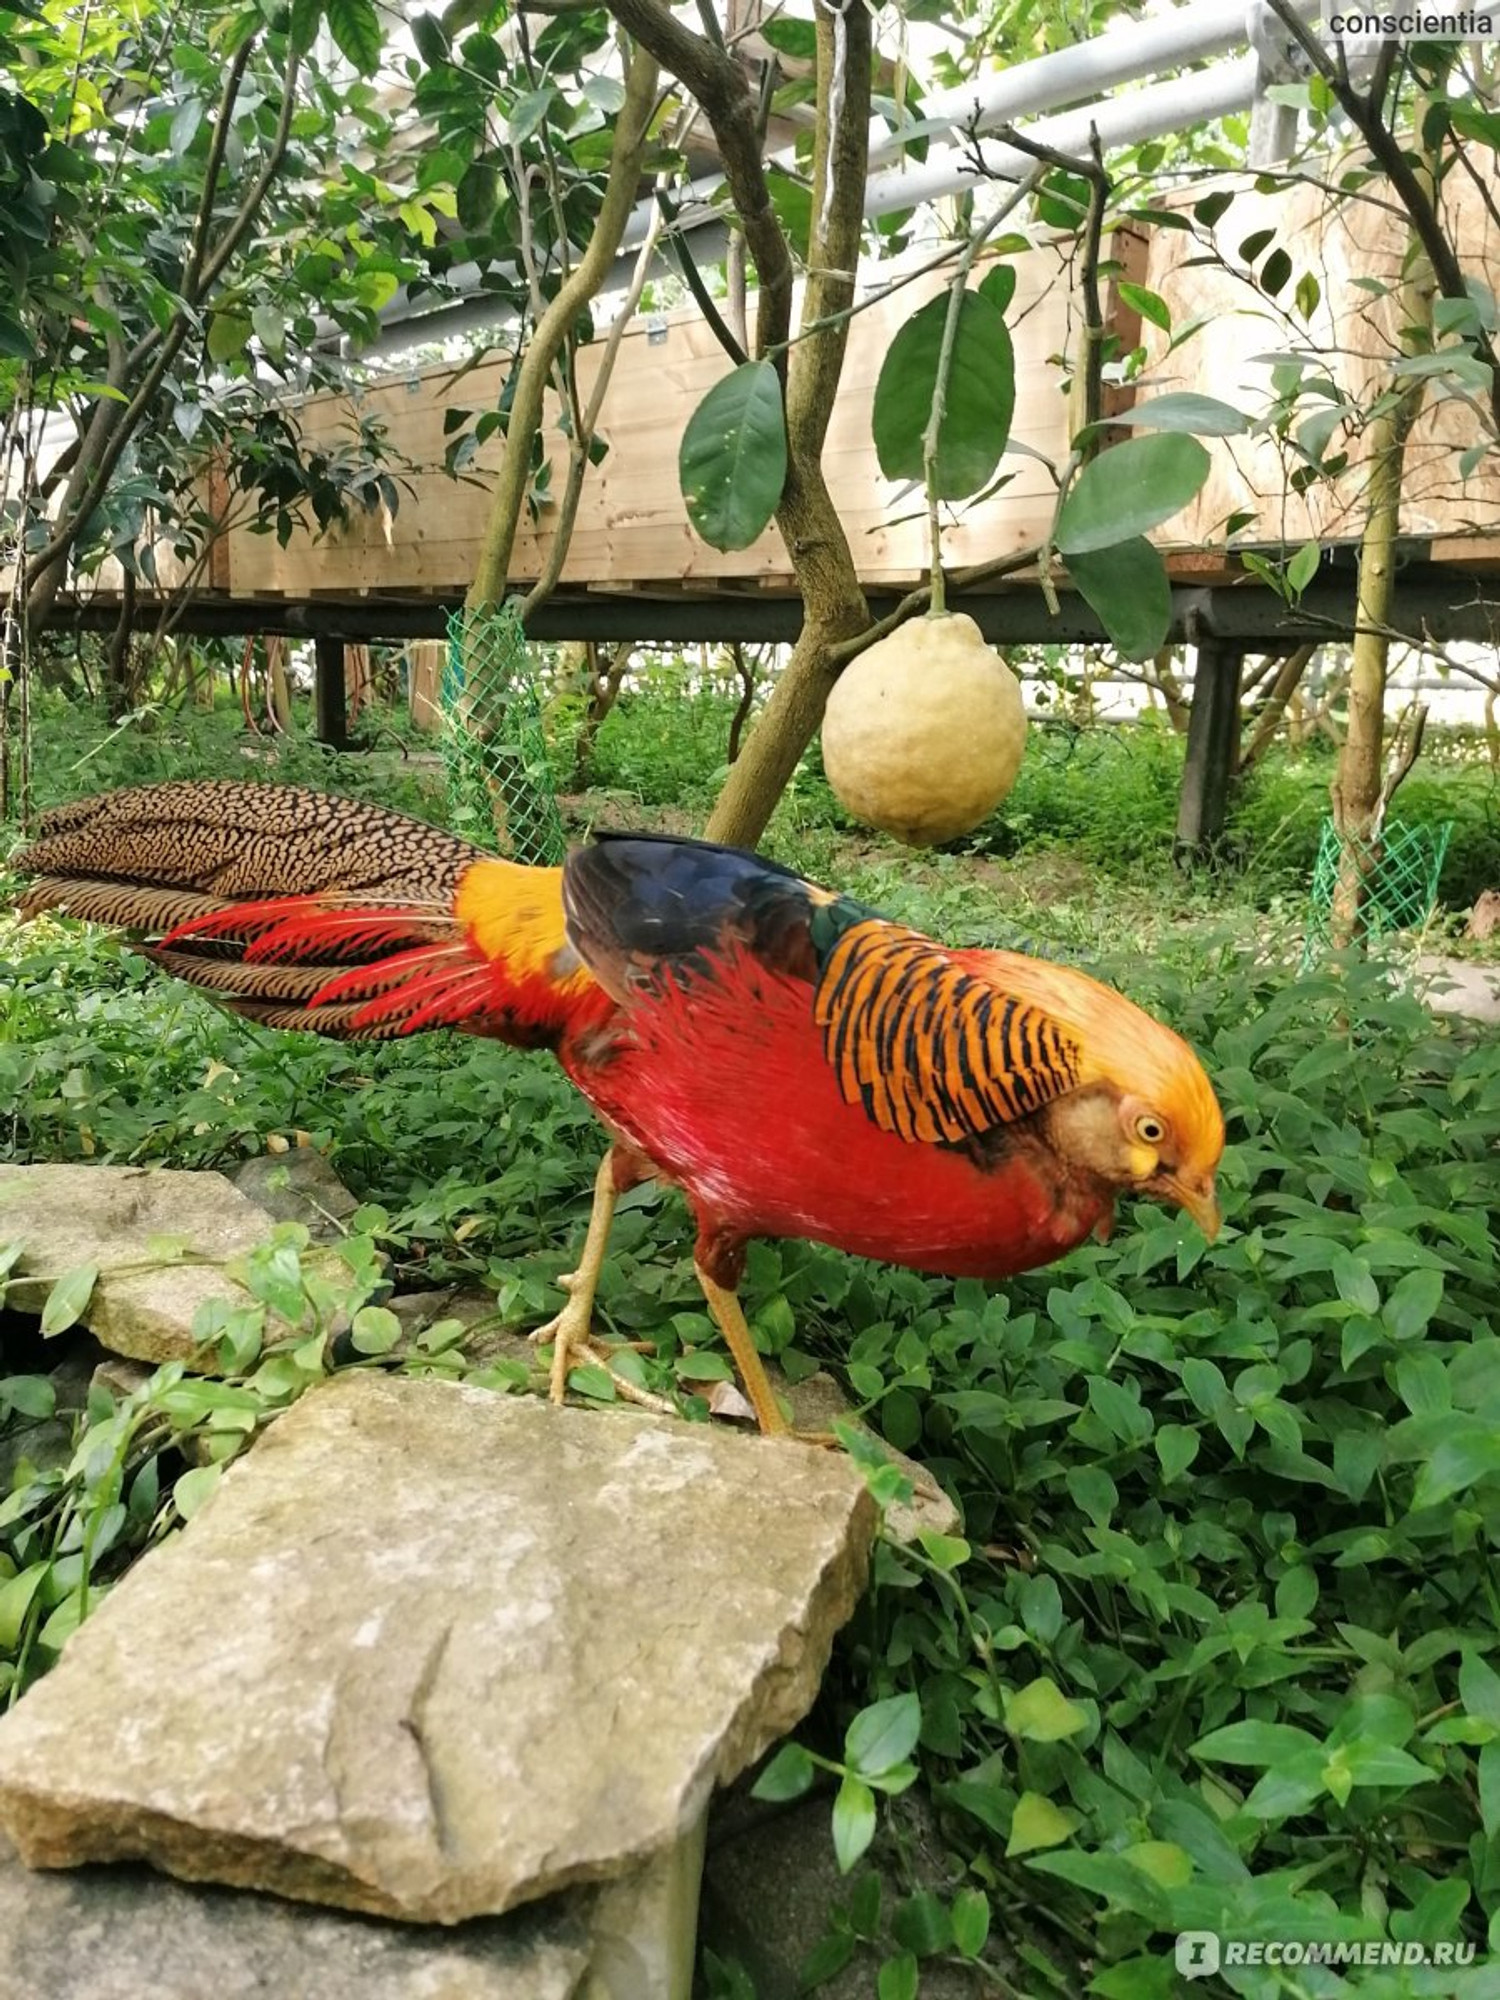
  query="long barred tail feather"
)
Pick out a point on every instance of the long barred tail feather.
point(302, 910)
point(232, 841)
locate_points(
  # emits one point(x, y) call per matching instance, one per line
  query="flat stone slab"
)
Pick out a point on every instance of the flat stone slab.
point(143, 1303)
point(1459, 986)
point(432, 1652)
point(124, 1933)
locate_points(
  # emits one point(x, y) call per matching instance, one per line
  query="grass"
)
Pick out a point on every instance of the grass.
point(1217, 1646)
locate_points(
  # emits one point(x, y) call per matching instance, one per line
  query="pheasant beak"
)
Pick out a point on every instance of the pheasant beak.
point(1197, 1196)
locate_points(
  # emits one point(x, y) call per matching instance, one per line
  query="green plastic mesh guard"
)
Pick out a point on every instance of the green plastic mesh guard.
point(498, 775)
point(1400, 869)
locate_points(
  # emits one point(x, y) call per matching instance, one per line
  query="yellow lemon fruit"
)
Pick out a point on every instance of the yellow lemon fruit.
point(923, 732)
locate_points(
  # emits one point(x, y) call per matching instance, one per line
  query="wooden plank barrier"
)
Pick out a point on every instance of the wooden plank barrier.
point(1350, 248)
point(632, 529)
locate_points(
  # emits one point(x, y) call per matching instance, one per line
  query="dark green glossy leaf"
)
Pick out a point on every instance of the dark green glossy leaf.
point(1185, 410)
point(732, 462)
point(980, 401)
point(1130, 489)
point(1126, 587)
point(355, 27)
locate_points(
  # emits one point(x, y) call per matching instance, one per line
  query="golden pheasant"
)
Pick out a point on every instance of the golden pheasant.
point(796, 1064)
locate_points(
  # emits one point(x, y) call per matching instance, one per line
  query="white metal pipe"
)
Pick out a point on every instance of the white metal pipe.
point(1029, 89)
point(1047, 83)
point(1121, 121)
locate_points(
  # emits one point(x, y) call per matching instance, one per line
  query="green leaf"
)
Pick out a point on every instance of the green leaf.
point(981, 396)
point(826, 1960)
point(1150, 305)
point(1256, 1743)
point(1176, 1447)
point(16, 343)
point(864, 1905)
point(16, 1595)
point(998, 285)
point(897, 1979)
point(1479, 1688)
point(945, 1552)
point(789, 37)
point(884, 1734)
point(184, 128)
point(1127, 589)
point(355, 27)
point(306, 19)
point(694, 1365)
point(193, 1488)
point(1356, 1286)
point(1038, 1823)
point(1470, 1452)
point(1122, 1415)
point(1275, 272)
point(227, 335)
point(787, 1776)
point(922, 1924)
point(594, 1382)
point(1107, 1875)
point(1062, 200)
point(1382, 1764)
point(29, 1395)
point(68, 1299)
point(1290, 1786)
point(1303, 566)
point(853, 1822)
point(1411, 1304)
point(970, 1917)
point(1422, 1384)
point(1162, 1860)
point(375, 1330)
point(529, 113)
point(1489, 1789)
point(1041, 1713)
point(732, 462)
point(1297, 1593)
point(791, 197)
point(1040, 1604)
point(1472, 121)
point(1182, 410)
point(270, 328)
point(1129, 489)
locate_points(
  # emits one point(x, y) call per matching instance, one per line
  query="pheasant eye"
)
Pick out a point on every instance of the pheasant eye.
point(1150, 1131)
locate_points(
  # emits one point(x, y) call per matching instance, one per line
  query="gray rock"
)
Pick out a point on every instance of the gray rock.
point(1458, 986)
point(431, 1652)
point(123, 1220)
point(297, 1186)
point(122, 1933)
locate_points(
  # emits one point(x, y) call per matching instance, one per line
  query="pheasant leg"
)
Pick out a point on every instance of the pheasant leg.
point(729, 1317)
point(572, 1330)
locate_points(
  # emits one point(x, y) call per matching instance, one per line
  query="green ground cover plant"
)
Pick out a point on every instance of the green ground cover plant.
point(1218, 1646)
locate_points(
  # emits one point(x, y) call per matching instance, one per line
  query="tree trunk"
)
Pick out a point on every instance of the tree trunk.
point(492, 569)
point(834, 604)
point(746, 670)
point(1356, 787)
point(604, 683)
point(1272, 711)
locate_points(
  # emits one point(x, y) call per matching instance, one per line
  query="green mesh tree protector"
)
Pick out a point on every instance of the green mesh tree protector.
point(1401, 867)
point(499, 779)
